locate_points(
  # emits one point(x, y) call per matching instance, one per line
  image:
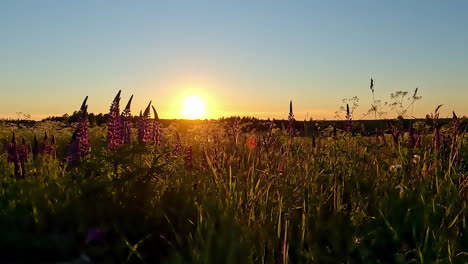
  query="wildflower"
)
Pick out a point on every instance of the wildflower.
point(95, 234)
point(114, 132)
point(12, 151)
point(455, 124)
point(178, 146)
point(48, 148)
point(251, 142)
point(157, 129)
point(189, 157)
point(436, 137)
point(126, 123)
point(235, 129)
point(23, 152)
point(35, 148)
point(13, 156)
point(144, 126)
point(79, 143)
point(290, 128)
point(454, 144)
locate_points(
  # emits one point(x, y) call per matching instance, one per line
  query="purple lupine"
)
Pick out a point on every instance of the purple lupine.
point(157, 129)
point(35, 148)
point(144, 126)
point(23, 153)
point(189, 157)
point(436, 137)
point(126, 123)
point(79, 143)
point(114, 132)
point(13, 156)
point(455, 130)
point(52, 149)
point(140, 128)
point(455, 124)
point(48, 148)
point(234, 130)
point(349, 120)
point(290, 128)
point(178, 146)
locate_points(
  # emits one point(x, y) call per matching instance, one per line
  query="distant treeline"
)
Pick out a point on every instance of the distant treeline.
point(364, 127)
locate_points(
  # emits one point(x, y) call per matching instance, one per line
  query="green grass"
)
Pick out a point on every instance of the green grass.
point(341, 201)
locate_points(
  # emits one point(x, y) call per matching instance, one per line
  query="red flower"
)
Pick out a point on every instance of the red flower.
point(251, 142)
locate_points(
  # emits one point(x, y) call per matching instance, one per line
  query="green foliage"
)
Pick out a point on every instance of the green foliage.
point(350, 200)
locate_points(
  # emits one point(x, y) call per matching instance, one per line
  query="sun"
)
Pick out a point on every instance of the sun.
point(193, 107)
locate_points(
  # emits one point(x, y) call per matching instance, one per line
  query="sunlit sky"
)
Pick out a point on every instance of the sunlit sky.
point(240, 57)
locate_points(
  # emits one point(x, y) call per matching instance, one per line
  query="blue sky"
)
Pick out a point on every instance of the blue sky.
point(243, 57)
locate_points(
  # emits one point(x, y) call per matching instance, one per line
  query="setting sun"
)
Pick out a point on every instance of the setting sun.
point(193, 107)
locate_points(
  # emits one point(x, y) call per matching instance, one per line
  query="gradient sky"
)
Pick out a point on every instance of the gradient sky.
point(243, 57)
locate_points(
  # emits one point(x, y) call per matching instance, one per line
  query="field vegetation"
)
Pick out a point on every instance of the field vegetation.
point(136, 189)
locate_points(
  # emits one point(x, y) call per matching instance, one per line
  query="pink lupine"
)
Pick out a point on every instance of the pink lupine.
point(114, 132)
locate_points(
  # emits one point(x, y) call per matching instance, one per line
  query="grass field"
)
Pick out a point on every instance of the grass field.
point(229, 192)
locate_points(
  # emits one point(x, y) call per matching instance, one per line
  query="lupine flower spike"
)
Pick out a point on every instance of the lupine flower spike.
point(189, 157)
point(144, 126)
point(178, 146)
point(35, 148)
point(13, 156)
point(79, 144)
point(48, 148)
point(455, 141)
point(126, 122)
point(114, 132)
point(157, 128)
point(291, 129)
point(23, 153)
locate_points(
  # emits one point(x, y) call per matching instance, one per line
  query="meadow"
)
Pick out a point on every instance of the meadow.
point(139, 190)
